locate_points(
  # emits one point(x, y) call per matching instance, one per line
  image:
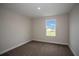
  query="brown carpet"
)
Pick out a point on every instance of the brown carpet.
point(35, 48)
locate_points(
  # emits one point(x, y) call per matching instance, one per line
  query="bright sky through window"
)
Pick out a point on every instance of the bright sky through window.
point(51, 27)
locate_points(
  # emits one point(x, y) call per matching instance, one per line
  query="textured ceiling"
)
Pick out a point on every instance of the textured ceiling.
point(46, 9)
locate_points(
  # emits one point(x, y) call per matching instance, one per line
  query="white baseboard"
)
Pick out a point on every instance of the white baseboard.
point(72, 51)
point(14, 47)
point(25, 43)
point(50, 42)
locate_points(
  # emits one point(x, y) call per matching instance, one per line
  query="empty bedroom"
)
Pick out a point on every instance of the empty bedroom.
point(39, 29)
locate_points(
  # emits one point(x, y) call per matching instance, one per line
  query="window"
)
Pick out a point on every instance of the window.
point(51, 27)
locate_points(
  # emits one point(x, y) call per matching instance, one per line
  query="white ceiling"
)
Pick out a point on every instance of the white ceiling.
point(46, 9)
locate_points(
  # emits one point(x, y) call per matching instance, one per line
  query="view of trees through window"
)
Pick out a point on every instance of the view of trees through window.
point(51, 27)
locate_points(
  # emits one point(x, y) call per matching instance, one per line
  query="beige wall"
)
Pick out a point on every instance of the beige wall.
point(38, 28)
point(15, 29)
point(74, 30)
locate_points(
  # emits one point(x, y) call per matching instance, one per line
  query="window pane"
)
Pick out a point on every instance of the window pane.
point(51, 27)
